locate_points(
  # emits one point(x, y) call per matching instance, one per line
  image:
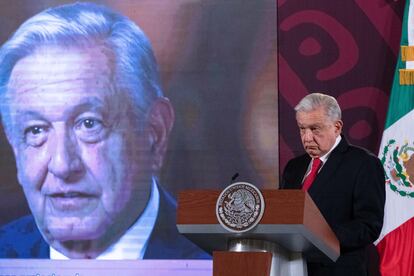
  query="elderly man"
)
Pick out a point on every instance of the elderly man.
point(84, 114)
point(346, 183)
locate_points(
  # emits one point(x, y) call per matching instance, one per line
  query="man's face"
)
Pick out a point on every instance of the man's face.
point(318, 133)
point(84, 161)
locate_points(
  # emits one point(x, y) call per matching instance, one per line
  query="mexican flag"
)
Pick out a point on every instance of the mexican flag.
point(396, 242)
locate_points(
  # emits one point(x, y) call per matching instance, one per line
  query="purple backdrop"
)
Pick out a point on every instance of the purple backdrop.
point(347, 49)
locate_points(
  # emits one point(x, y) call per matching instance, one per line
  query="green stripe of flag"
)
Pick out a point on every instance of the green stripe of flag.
point(402, 96)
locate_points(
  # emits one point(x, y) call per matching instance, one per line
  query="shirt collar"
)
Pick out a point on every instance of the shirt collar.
point(325, 157)
point(132, 245)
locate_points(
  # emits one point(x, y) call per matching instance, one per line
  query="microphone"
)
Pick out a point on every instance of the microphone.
point(234, 177)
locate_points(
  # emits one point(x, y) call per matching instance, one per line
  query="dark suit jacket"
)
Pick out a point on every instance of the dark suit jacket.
point(350, 193)
point(22, 239)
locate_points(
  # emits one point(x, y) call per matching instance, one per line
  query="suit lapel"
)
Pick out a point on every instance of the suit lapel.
point(22, 239)
point(165, 242)
point(325, 175)
point(158, 243)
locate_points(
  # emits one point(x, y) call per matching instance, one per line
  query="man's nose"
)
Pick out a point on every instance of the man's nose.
point(307, 135)
point(65, 161)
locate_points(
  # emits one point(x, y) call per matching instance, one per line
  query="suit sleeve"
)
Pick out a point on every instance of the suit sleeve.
point(289, 177)
point(282, 184)
point(368, 207)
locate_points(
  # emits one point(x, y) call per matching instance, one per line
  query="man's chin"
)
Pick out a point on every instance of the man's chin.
point(73, 230)
point(313, 153)
point(64, 236)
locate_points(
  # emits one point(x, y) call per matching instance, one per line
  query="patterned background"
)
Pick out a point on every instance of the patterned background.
point(347, 49)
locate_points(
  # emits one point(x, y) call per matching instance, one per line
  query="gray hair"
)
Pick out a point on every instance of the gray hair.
point(82, 25)
point(316, 100)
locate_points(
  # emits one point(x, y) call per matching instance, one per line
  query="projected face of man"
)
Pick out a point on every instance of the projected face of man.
point(84, 162)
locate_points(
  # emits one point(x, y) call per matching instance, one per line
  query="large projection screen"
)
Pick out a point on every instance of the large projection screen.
point(218, 66)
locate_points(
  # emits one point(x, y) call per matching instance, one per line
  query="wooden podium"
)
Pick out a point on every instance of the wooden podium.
point(291, 229)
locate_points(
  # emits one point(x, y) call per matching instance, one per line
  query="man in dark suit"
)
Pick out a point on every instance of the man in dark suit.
point(346, 183)
point(85, 115)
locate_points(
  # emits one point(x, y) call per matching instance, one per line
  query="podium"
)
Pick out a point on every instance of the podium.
point(291, 230)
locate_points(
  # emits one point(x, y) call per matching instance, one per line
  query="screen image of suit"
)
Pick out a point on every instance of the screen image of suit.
point(22, 239)
point(349, 192)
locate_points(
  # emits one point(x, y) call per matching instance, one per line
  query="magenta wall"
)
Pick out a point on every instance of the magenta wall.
point(347, 49)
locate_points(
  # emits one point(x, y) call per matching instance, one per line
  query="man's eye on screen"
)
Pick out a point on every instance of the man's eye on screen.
point(35, 136)
point(90, 130)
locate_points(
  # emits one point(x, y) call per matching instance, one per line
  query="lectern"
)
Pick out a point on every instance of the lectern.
point(291, 230)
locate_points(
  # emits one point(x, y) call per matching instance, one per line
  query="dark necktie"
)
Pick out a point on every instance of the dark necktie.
point(316, 164)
